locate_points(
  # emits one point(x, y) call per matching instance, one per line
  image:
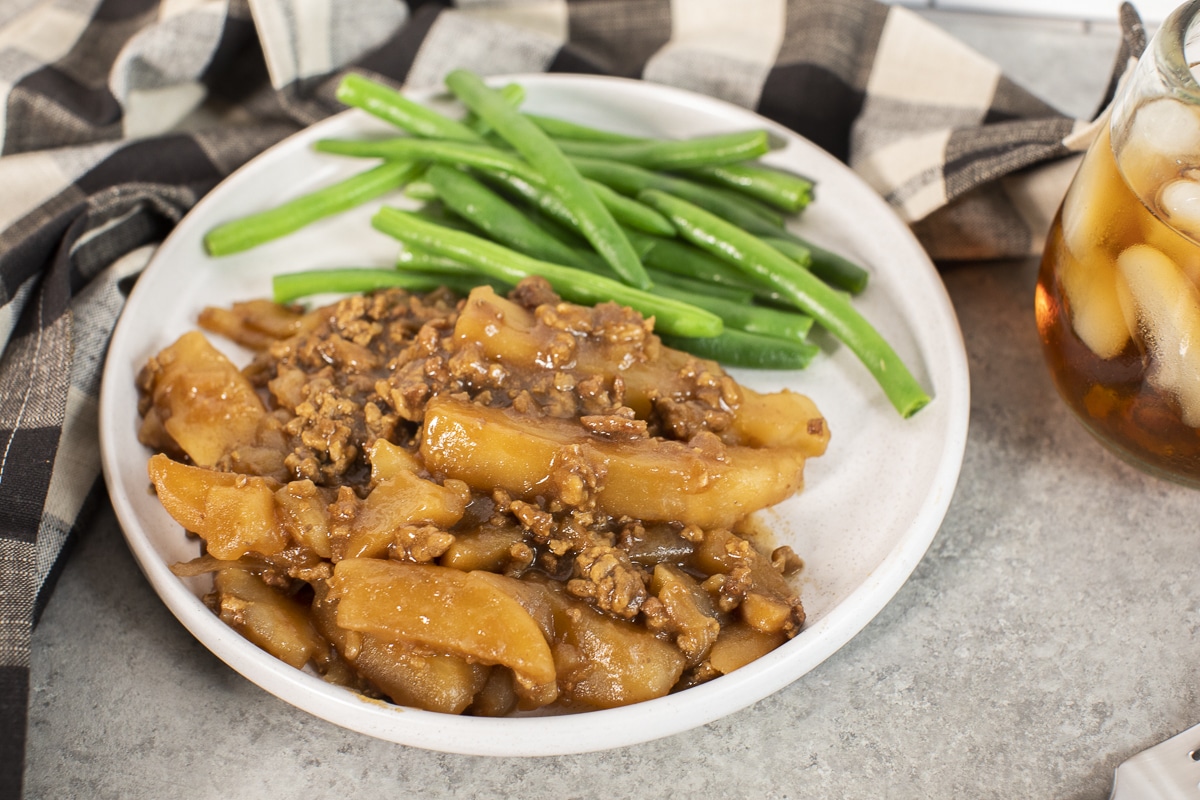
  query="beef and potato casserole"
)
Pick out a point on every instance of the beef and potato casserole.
point(479, 505)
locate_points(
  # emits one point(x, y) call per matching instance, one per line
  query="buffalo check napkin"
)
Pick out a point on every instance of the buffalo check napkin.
point(118, 115)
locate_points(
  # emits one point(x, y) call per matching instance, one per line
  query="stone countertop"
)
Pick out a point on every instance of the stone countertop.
point(1049, 633)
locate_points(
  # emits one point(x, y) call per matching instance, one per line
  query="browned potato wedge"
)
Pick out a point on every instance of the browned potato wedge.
point(721, 550)
point(498, 696)
point(649, 479)
point(389, 460)
point(303, 511)
point(207, 406)
point(399, 498)
point(266, 617)
point(255, 323)
point(765, 613)
point(693, 619)
point(404, 673)
point(432, 682)
point(445, 611)
point(510, 333)
point(234, 514)
point(488, 547)
point(604, 662)
point(739, 644)
point(782, 419)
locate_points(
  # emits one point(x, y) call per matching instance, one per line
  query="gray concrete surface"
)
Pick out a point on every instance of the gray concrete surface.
point(1049, 633)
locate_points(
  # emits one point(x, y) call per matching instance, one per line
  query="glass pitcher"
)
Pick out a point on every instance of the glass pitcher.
point(1118, 293)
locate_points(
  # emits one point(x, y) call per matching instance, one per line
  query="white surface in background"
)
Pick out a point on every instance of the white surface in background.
point(1152, 11)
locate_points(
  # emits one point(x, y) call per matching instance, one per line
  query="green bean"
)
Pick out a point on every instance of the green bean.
point(499, 219)
point(438, 214)
point(630, 179)
point(534, 194)
point(392, 106)
point(244, 233)
point(563, 129)
point(787, 325)
point(502, 263)
point(585, 258)
point(513, 94)
point(417, 259)
point(685, 259)
point(290, 287)
point(828, 307)
point(734, 295)
point(526, 138)
point(827, 265)
point(779, 188)
point(505, 166)
point(748, 204)
point(783, 190)
point(629, 212)
point(736, 348)
point(553, 244)
point(672, 154)
point(494, 215)
point(420, 189)
point(625, 210)
point(832, 267)
point(404, 148)
point(357, 90)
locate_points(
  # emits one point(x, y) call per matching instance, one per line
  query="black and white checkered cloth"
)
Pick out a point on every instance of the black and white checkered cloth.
point(118, 115)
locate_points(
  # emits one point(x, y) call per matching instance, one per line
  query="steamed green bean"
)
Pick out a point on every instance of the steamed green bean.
point(827, 306)
point(560, 174)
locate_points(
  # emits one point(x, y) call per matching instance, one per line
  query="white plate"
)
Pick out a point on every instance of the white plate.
point(871, 507)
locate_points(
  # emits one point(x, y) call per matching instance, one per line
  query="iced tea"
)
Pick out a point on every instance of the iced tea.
point(1118, 295)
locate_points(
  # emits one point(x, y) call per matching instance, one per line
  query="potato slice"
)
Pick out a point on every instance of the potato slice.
point(234, 514)
point(399, 498)
point(765, 612)
point(255, 324)
point(445, 611)
point(739, 644)
point(272, 621)
point(693, 619)
point(783, 419)
point(389, 460)
point(303, 511)
point(488, 547)
point(498, 696)
point(721, 550)
point(406, 674)
point(650, 479)
point(765, 599)
point(205, 403)
point(429, 681)
point(510, 334)
point(604, 662)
